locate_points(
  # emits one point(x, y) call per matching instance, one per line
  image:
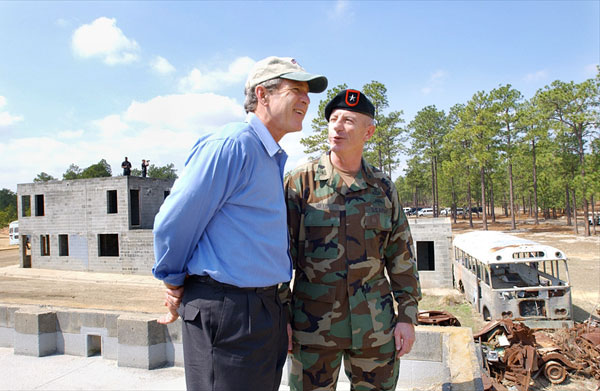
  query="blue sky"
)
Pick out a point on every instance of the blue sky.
point(82, 81)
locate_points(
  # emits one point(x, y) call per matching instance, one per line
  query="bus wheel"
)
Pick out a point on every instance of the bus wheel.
point(486, 314)
point(555, 372)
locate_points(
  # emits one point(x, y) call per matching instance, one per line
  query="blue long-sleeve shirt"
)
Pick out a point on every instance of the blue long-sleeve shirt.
point(226, 215)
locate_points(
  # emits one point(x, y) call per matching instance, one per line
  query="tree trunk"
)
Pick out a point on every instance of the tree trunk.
point(415, 198)
point(492, 211)
point(437, 191)
point(568, 206)
point(453, 198)
point(575, 212)
point(433, 187)
point(593, 216)
point(484, 217)
point(469, 198)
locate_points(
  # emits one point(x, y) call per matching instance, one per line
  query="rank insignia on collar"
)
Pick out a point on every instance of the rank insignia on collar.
point(352, 97)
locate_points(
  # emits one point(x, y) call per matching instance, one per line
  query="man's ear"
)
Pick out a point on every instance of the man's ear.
point(261, 95)
point(370, 131)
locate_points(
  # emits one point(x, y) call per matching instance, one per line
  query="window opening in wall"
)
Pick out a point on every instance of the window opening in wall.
point(44, 245)
point(93, 345)
point(39, 204)
point(26, 250)
point(108, 245)
point(63, 245)
point(111, 201)
point(25, 206)
point(425, 256)
point(134, 204)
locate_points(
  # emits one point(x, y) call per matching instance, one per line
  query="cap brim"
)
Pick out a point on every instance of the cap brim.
point(316, 83)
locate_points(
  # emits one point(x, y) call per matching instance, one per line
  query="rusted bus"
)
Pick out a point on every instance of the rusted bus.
point(505, 276)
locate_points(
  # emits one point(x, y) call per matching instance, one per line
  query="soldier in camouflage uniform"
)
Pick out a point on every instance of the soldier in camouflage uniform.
point(348, 235)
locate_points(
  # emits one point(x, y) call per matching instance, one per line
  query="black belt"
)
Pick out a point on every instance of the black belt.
point(211, 281)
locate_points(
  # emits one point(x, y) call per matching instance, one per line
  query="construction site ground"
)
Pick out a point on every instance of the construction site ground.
point(134, 293)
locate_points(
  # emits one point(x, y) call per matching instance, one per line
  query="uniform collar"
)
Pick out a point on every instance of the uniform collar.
point(326, 172)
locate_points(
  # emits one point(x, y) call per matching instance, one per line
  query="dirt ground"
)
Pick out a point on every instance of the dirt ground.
point(145, 294)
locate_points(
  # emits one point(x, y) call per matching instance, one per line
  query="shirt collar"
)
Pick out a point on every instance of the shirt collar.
point(264, 135)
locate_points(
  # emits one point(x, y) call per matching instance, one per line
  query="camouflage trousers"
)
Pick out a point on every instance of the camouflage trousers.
point(317, 368)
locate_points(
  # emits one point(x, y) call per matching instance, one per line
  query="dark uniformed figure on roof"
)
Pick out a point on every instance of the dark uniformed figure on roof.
point(126, 166)
point(347, 229)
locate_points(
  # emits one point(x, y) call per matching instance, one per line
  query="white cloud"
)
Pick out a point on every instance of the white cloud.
point(102, 38)
point(6, 118)
point(111, 126)
point(162, 65)
point(435, 82)
point(536, 76)
point(214, 80)
point(186, 112)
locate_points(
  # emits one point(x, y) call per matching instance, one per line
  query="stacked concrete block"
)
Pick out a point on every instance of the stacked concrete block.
point(142, 342)
point(35, 332)
point(84, 333)
point(173, 343)
point(7, 326)
point(439, 231)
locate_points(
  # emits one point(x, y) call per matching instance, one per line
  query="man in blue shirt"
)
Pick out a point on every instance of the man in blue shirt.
point(221, 241)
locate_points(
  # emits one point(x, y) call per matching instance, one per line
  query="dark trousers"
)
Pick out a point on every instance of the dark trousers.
point(233, 338)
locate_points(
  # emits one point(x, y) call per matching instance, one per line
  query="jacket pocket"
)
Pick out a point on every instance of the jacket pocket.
point(321, 223)
point(312, 308)
point(377, 226)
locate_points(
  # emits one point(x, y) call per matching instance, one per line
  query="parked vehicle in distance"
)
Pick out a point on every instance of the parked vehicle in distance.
point(13, 233)
point(594, 220)
point(448, 212)
point(505, 276)
point(406, 211)
point(426, 212)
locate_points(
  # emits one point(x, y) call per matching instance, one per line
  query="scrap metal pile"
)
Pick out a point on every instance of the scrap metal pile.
point(513, 354)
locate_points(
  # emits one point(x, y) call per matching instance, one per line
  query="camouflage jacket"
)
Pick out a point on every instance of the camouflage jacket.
point(343, 242)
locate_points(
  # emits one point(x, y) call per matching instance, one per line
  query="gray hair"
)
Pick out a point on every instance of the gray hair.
point(251, 100)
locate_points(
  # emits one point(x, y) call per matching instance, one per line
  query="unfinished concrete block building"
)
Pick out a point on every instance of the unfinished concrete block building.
point(432, 239)
point(100, 224)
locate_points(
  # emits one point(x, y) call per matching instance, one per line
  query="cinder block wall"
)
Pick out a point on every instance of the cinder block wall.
point(79, 209)
point(439, 231)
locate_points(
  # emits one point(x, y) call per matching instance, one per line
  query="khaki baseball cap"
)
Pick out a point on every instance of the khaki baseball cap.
point(285, 68)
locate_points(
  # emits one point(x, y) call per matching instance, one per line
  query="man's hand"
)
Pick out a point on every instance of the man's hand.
point(173, 297)
point(404, 336)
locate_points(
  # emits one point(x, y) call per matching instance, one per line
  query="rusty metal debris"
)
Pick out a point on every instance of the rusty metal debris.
point(437, 318)
point(514, 355)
